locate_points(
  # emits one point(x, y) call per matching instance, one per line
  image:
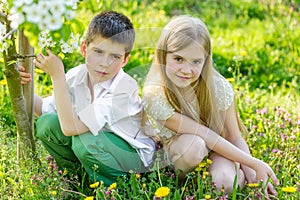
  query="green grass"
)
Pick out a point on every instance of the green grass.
point(255, 45)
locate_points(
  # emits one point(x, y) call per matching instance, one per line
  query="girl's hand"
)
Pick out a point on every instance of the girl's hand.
point(263, 173)
point(50, 64)
point(250, 174)
point(25, 77)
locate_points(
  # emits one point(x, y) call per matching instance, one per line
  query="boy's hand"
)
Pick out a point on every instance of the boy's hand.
point(25, 77)
point(50, 64)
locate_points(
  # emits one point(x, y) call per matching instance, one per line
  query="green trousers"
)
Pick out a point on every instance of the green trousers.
point(104, 157)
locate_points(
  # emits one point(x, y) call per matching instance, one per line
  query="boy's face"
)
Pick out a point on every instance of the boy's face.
point(104, 58)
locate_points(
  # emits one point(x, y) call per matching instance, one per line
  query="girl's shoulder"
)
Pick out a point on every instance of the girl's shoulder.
point(155, 102)
point(223, 92)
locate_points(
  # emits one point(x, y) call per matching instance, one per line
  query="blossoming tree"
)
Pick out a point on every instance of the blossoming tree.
point(41, 24)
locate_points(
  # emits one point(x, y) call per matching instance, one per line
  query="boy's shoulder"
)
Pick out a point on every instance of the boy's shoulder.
point(123, 82)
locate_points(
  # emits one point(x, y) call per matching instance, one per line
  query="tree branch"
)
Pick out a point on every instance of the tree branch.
point(3, 17)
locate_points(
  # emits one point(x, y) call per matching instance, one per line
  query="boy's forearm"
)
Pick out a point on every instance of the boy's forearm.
point(68, 118)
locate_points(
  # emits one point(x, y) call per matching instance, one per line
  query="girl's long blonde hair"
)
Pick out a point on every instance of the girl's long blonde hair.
point(178, 34)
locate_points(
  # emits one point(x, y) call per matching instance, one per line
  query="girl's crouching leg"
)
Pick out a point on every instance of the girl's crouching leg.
point(186, 152)
point(224, 172)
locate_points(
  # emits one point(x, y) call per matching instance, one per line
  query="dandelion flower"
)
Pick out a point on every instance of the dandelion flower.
point(137, 176)
point(94, 185)
point(3, 82)
point(113, 186)
point(162, 192)
point(288, 189)
point(54, 192)
point(209, 161)
point(207, 196)
point(89, 198)
point(253, 185)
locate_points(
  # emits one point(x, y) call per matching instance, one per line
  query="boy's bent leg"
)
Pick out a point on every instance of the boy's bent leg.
point(48, 130)
point(105, 156)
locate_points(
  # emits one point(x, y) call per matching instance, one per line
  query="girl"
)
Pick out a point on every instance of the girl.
point(193, 106)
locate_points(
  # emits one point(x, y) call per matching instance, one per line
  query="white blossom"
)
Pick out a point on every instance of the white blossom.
point(32, 13)
point(57, 8)
point(65, 47)
point(16, 19)
point(2, 30)
point(3, 47)
point(71, 3)
point(70, 14)
point(54, 22)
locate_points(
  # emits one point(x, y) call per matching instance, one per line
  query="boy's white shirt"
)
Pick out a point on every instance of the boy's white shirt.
point(116, 108)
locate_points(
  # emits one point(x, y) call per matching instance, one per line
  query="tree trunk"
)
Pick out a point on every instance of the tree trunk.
point(25, 49)
point(26, 144)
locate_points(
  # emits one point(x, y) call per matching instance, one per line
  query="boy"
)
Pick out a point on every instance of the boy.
point(94, 116)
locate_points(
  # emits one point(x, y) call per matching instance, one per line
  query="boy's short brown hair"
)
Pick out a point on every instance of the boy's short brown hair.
point(114, 26)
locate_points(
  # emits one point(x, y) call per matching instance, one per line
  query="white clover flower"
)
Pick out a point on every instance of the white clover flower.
point(16, 19)
point(54, 22)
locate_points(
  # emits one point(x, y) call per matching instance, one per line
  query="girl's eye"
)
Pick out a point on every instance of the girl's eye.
point(197, 62)
point(97, 51)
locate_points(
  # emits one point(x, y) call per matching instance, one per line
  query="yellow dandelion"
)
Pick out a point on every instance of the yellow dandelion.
point(206, 173)
point(3, 82)
point(201, 165)
point(113, 186)
point(94, 185)
point(54, 192)
point(89, 198)
point(243, 53)
point(253, 185)
point(230, 80)
point(144, 185)
point(162, 192)
point(137, 176)
point(209, 161)
point(289, 189)
point(207, 196)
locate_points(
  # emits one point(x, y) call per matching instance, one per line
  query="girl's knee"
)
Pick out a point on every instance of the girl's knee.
point(226, 179)
point(193, 154)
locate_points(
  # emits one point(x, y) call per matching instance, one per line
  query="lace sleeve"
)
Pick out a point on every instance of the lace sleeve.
point(223, 92)
point(156, 104)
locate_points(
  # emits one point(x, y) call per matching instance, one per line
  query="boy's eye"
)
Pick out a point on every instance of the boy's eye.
point(116, 56)
point(178, 59)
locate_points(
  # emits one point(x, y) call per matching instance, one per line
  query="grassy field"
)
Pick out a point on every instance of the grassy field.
point(255, 45)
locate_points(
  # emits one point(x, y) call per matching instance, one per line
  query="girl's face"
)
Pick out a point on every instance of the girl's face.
point(184, 67)
point(104, 58)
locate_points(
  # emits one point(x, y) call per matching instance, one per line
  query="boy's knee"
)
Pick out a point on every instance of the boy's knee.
point(45, 125)
point(79, 148)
